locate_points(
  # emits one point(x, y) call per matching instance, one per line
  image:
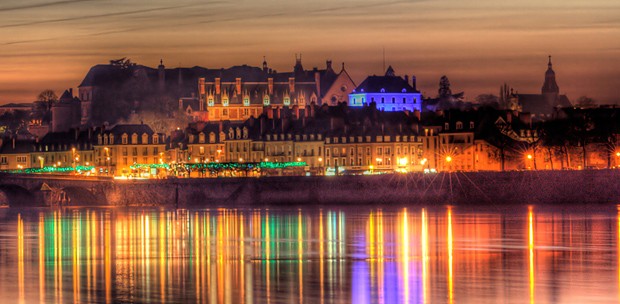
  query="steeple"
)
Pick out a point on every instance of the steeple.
point(265, 68)
point(550, 86)
point(390, 71)
point(298, 67)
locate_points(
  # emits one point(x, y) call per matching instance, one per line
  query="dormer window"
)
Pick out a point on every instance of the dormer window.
point(266, 101)
point(225, 101)
point(287, 101)
point(382, 90)
point(211, 137)
point(210, 101)
point(246, 101)
point(155, 139)
point(145, 138)
point(459, 125)
point(125, 138)
point(201, 138)
point(471, 124)
point(446, 126)
point(404, 91)
point(134, 138)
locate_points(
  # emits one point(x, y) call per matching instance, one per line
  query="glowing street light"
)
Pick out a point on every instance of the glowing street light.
point(299, 159)
point(449, 158)
point(529, 156)
point(617, 154)
point(423, 161)
point(402, 161)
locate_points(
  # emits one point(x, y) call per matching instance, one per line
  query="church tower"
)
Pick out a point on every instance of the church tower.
point(550, 87)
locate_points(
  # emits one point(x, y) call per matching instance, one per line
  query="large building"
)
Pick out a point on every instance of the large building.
point(542, 105)
point(241, 92)
point(389, 93)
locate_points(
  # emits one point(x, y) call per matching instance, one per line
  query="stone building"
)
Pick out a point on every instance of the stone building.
point(542, 105)
point(125, 145)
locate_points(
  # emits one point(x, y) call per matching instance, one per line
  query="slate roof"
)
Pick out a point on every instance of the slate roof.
point(21, 147)
point(391, 84)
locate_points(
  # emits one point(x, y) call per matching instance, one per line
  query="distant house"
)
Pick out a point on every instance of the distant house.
point(390, 93)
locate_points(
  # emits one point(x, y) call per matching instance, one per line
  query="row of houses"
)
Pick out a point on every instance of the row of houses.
point(330, 140)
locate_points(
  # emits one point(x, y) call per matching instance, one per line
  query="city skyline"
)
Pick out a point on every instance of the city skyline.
point(478, 46)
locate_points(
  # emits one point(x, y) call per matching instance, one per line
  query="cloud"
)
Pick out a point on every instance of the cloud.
point(40, 5)
point(89, 17)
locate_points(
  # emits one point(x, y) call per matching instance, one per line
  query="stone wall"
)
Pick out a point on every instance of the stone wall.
point(460, 188)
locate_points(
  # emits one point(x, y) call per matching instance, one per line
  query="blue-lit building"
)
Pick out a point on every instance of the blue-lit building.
point(390, 93)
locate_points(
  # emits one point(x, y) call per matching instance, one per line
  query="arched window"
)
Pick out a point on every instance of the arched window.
point(201, 138)
point(125, 138)
point(145, 138)
point(404, 91)
point(382, 90)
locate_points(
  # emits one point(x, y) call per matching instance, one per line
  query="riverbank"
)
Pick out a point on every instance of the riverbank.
point(458, 188)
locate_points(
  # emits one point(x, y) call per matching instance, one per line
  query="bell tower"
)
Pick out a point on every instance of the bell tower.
point(550, 87)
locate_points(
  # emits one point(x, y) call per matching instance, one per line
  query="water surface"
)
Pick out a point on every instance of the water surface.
point(311, 255)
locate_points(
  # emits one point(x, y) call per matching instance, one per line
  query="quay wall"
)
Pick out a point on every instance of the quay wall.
point(460, 188)
point(457, 188)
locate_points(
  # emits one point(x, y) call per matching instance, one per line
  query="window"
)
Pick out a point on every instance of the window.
point(393, 99)
point(22, 159)
point(471, 124)
point(155, 150)
point(124, 140)
point(134, 138)
point(134, 151)
point(446, 126)
point(4, 160)
point(225, 112)
point(382, 99)
point(266, 101)
point(225, 101)
point(210, 101)
point(202, 150)
point(404, 100)
point(287, 101)
point(246, 101)
point(145, 138)
point(201, 138)
point(145, 151)
point(379, 151)
point(459, 125)
point(155, 139)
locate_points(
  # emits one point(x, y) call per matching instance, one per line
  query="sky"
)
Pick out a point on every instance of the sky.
point(479, 45)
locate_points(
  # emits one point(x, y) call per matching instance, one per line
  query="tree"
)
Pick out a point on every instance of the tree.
point(586, 102)
point(444, 87)
point(48, 98)
point(488, 100)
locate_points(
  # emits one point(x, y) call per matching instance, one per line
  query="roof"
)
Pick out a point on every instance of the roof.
point(21, 147)
point(390, 84)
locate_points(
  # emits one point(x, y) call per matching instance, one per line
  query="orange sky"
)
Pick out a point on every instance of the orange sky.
point(478, 44)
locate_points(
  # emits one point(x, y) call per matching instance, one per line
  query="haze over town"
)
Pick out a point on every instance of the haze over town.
point(481, 45)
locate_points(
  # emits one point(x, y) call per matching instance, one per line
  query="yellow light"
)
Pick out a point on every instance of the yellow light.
point(617, 154)
point(448, 158)
point(529, 156)
point(372, 167)
point(320, 159)
point(240, 159)
point(423, 161)
point(299, 159)
point(402, 161)
point(87, 163)
point(266, 159)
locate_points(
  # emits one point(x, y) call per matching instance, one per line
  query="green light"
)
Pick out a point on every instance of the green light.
point(52, 170)
point(149, 166)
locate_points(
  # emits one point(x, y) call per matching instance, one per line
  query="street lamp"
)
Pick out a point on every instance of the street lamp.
point(529, 156)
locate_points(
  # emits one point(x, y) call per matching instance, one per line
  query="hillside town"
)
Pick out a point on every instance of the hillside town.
point(129, 120)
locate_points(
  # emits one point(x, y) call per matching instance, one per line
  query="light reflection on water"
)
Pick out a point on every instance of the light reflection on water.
point(330, 255)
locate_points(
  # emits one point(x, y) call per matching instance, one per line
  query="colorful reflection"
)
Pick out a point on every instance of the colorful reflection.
point(404, 255)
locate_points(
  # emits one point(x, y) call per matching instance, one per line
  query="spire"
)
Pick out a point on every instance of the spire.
point(390, 71)
point(550, 86)
point(265, 69)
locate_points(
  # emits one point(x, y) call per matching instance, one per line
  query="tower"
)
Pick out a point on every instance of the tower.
point(550, 87)
point(265, 68)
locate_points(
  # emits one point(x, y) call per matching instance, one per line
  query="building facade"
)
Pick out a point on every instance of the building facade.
point(389, 93)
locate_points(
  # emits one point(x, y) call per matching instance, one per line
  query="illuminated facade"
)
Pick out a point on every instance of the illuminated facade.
point(124, 145)
point(241, 92)
point(389, 93)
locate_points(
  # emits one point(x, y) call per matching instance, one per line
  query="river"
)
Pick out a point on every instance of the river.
point(368, 254)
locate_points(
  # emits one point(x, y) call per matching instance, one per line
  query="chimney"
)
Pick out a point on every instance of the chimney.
point(238, 85)
point(317, 80)
point(291, 84)
point(218, 82)
point(77, 133)
point(400, 128)
point(270, 85)
point(71, 92)
point(407, 79)
point(13, 142)
point(413, 82)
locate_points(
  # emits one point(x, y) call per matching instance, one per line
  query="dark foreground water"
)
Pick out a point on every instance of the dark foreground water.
point(310, 255)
